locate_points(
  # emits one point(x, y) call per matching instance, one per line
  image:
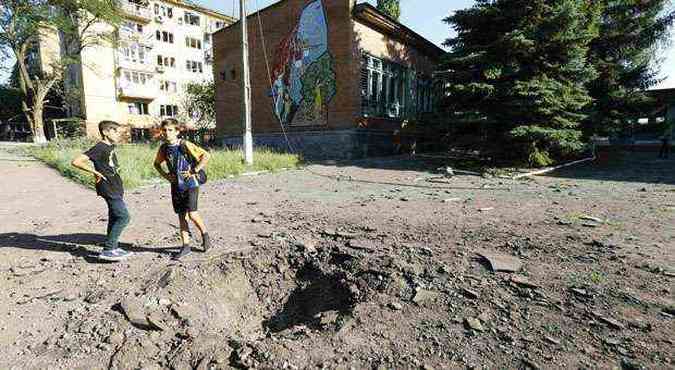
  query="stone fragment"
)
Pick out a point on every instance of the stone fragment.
point(523, 282)
point(395, 306)
point(500, 262)
point(473, 324)
point(423, 296)
point(470, 293)
point(364, 244)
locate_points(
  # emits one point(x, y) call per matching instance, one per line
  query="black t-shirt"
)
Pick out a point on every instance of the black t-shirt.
point(105, 162)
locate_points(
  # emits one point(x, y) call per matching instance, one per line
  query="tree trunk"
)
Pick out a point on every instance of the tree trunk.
point(38, 125)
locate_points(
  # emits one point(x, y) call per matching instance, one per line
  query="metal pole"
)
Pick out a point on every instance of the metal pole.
point(246, 84)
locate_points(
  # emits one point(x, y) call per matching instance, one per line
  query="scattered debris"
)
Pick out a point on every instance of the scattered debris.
point(523, 282)
point(473, 324)
point(503, 263)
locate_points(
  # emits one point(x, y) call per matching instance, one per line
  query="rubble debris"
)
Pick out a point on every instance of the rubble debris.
point(474, 324)
point(523, 282)
point(502, 263)
point(133, 310)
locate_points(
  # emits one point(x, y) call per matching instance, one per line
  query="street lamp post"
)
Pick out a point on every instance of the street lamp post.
point(246, 86)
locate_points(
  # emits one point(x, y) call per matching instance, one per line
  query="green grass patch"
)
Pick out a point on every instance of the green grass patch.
point(136, 161)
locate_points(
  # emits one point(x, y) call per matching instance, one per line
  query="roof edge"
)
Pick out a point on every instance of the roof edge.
point(368, 14)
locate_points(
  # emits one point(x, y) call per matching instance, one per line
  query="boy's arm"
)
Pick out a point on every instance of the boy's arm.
point(203, 160)
point(158, 166)
point(202, 155)
point(81, 162)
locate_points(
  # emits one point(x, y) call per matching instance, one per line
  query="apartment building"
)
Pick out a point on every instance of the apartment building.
point(140, 78)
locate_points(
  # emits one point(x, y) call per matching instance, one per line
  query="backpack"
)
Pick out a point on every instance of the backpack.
point(201, 175)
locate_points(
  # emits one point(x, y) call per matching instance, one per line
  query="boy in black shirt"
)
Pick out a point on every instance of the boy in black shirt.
point(108, 186)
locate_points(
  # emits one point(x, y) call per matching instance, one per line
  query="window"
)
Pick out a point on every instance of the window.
point(207, 38)
point(163, 11)
point(129, 26)
point(138, 78)
point(194, 67)
point(391, 90)
point(166, 61)
point(168, 110)
point(191, 19)
point(193, 43)
point(164, 36)
point(135, 53)
point(168, 86)
point(138, 108)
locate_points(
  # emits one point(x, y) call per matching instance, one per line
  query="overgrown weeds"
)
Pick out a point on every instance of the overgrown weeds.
point(136, 161)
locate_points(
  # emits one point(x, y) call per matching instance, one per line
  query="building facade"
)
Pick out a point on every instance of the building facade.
point(139, 78)
point(333, 78)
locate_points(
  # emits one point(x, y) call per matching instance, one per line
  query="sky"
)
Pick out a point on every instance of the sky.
point(424, 17)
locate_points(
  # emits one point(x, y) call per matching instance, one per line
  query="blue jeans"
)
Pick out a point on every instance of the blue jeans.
point(118, 219)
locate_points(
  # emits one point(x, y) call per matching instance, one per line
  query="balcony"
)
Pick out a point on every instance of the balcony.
point(142, 38)
point(138, 91)
point(127, 64)
point(136, 11)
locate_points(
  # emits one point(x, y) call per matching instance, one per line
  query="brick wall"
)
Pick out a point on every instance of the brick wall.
point(348, 39)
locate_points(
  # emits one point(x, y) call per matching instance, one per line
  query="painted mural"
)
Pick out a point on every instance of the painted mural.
point(303, 75)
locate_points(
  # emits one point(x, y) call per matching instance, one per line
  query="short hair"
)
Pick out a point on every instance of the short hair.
point(170, 122)
point(107, 125)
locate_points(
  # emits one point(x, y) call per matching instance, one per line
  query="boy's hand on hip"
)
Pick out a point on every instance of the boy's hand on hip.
point(99, 177)
point(186, 174)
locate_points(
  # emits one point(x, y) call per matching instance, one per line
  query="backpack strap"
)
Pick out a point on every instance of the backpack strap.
point(188, 154)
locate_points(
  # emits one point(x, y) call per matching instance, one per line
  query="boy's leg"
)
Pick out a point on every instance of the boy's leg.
point(193, 214)
point(120, 217)
point(111, 218)
point(184, 228)
point(198, 221)
point(118, 220)
point(184, 235)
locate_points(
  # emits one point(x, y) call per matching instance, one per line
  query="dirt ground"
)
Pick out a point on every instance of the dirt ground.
point(377, 264)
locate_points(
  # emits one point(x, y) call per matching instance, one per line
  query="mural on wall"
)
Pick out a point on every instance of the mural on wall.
point(303, 75)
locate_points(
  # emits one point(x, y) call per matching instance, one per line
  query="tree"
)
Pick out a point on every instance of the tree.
point(11, 102)
point(391, 8)
point(521, 65)
point(198, 105)
point(77, 24)
point(625, 56)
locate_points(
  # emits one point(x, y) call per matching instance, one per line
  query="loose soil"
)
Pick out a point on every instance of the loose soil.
point(373, 264)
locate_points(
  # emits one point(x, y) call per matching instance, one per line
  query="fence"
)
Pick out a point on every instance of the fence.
point(203, 137)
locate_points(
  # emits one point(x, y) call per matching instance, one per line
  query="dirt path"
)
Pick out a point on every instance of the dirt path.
point(392, 255)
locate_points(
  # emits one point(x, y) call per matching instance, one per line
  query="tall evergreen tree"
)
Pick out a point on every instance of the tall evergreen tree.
point(391, 8)
point(625, 56)
point(522, 66)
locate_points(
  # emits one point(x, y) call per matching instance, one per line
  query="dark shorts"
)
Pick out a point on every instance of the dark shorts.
point(184, 201)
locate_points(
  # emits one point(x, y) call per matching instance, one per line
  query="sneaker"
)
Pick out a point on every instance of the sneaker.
point(183, 252)
point(206, 242)
point(117, 254)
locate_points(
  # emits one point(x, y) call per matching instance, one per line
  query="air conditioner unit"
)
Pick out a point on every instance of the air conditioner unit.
point(180, 20)
point(159, 19)
point(159, 69)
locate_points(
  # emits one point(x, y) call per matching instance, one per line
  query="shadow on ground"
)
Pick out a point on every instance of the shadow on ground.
point(638, 167)
point(81, 245)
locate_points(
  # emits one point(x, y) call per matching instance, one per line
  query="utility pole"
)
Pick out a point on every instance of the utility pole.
point(246, 85)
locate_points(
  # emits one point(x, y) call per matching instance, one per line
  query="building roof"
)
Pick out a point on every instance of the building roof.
point(374, 18)
point(194, 6)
